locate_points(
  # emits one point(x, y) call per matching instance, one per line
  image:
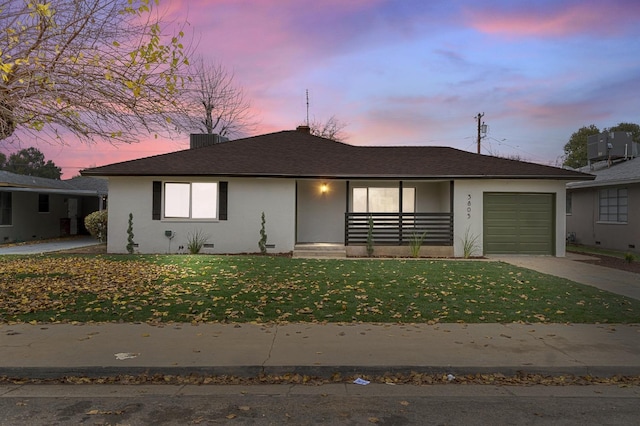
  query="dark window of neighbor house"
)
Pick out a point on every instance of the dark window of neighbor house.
point(569, 203)
point(5, 208)
point(613, 206)
point(43, 203)
point(190, 200)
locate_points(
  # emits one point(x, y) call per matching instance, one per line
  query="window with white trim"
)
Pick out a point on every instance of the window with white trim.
point(613, 205)
point(191, 200)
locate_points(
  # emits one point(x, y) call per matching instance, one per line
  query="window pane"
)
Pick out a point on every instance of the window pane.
point(176, 200)
point(43, 203)
point(383, 200)
point(5, 208)
point(408, 200)
point(204, 200)
point(360, 200)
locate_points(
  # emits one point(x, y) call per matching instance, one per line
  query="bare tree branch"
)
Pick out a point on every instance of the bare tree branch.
point(212, 103)
point(331, 129)
point(95, 69)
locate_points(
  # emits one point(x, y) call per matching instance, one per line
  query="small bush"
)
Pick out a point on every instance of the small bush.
point(629, 257)
point(196, 240)
point(469, 244)
point(262, 242)
point(370, 247)
point(415, 242)
point(130, 242)
point(96, 224)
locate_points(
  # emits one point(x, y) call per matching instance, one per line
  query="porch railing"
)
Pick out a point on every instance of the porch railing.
point(399, 228)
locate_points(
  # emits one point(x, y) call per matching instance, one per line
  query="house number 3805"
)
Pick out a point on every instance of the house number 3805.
point(468, 206)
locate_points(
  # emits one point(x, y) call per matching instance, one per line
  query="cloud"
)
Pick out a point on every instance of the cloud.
point(555, 19)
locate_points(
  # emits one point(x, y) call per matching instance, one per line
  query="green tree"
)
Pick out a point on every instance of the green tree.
point(575, 151)
point(97, 69)
point(30, 161)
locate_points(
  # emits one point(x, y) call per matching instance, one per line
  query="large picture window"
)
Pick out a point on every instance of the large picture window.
point(191, 200)
point(383, 200)
point(613, 205)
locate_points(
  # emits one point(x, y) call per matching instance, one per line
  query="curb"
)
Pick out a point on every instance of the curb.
point(324, 372)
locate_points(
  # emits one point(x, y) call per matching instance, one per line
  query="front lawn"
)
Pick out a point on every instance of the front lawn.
point(201, 288)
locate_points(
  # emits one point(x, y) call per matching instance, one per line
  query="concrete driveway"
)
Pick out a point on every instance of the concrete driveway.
point(569, 267)
point(49, 246)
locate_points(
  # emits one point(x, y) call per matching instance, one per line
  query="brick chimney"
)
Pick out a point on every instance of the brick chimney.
point(304, 129)
point(200, 140)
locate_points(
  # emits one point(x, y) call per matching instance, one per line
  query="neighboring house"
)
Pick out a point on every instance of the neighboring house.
point(34, 208)
point(314, 191)
point(603, 212)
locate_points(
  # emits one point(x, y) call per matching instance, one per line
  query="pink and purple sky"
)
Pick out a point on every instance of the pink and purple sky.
point(416, 72)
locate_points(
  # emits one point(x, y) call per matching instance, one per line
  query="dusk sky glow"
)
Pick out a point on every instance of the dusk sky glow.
point(415, 72)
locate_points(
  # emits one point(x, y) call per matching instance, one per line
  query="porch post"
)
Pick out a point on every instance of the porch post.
point(451, 195)
point(346, 216)
point(401, 223)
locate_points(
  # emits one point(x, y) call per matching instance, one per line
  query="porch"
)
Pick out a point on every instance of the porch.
point(393, 234)
point(389, 235)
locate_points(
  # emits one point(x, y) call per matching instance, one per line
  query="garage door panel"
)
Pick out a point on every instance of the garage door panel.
point(522, 223)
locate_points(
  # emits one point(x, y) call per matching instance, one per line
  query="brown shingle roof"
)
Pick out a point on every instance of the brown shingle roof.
point(297, 154)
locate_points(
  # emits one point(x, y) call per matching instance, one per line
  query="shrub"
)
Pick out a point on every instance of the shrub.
point(130, 242)
point(370, 238)
point(262, 242)
point(195, 241)
point(629, 257)
point(469, 244)
point(415, 242)
point(96, 224)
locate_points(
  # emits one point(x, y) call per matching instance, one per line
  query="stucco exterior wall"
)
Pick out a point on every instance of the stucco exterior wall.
point(583, 221)
point(320, 215)
point(247, 199)
point(468, 208)
point(431, 197)
point(27, 223)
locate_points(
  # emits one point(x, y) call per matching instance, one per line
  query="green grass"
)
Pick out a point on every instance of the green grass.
point(202, 288)
point(577, 248)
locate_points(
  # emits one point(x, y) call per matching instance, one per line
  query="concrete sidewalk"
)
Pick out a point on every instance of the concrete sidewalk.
point(58, 350)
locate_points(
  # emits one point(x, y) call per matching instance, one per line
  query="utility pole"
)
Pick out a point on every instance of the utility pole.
point(482, 129)
point(307, 107)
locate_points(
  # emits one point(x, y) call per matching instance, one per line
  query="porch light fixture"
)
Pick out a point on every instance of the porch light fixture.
point(324, 188)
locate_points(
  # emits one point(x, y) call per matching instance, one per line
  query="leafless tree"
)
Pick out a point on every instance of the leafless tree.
point(212, 103)
point(95, 69)
point(331, 129)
